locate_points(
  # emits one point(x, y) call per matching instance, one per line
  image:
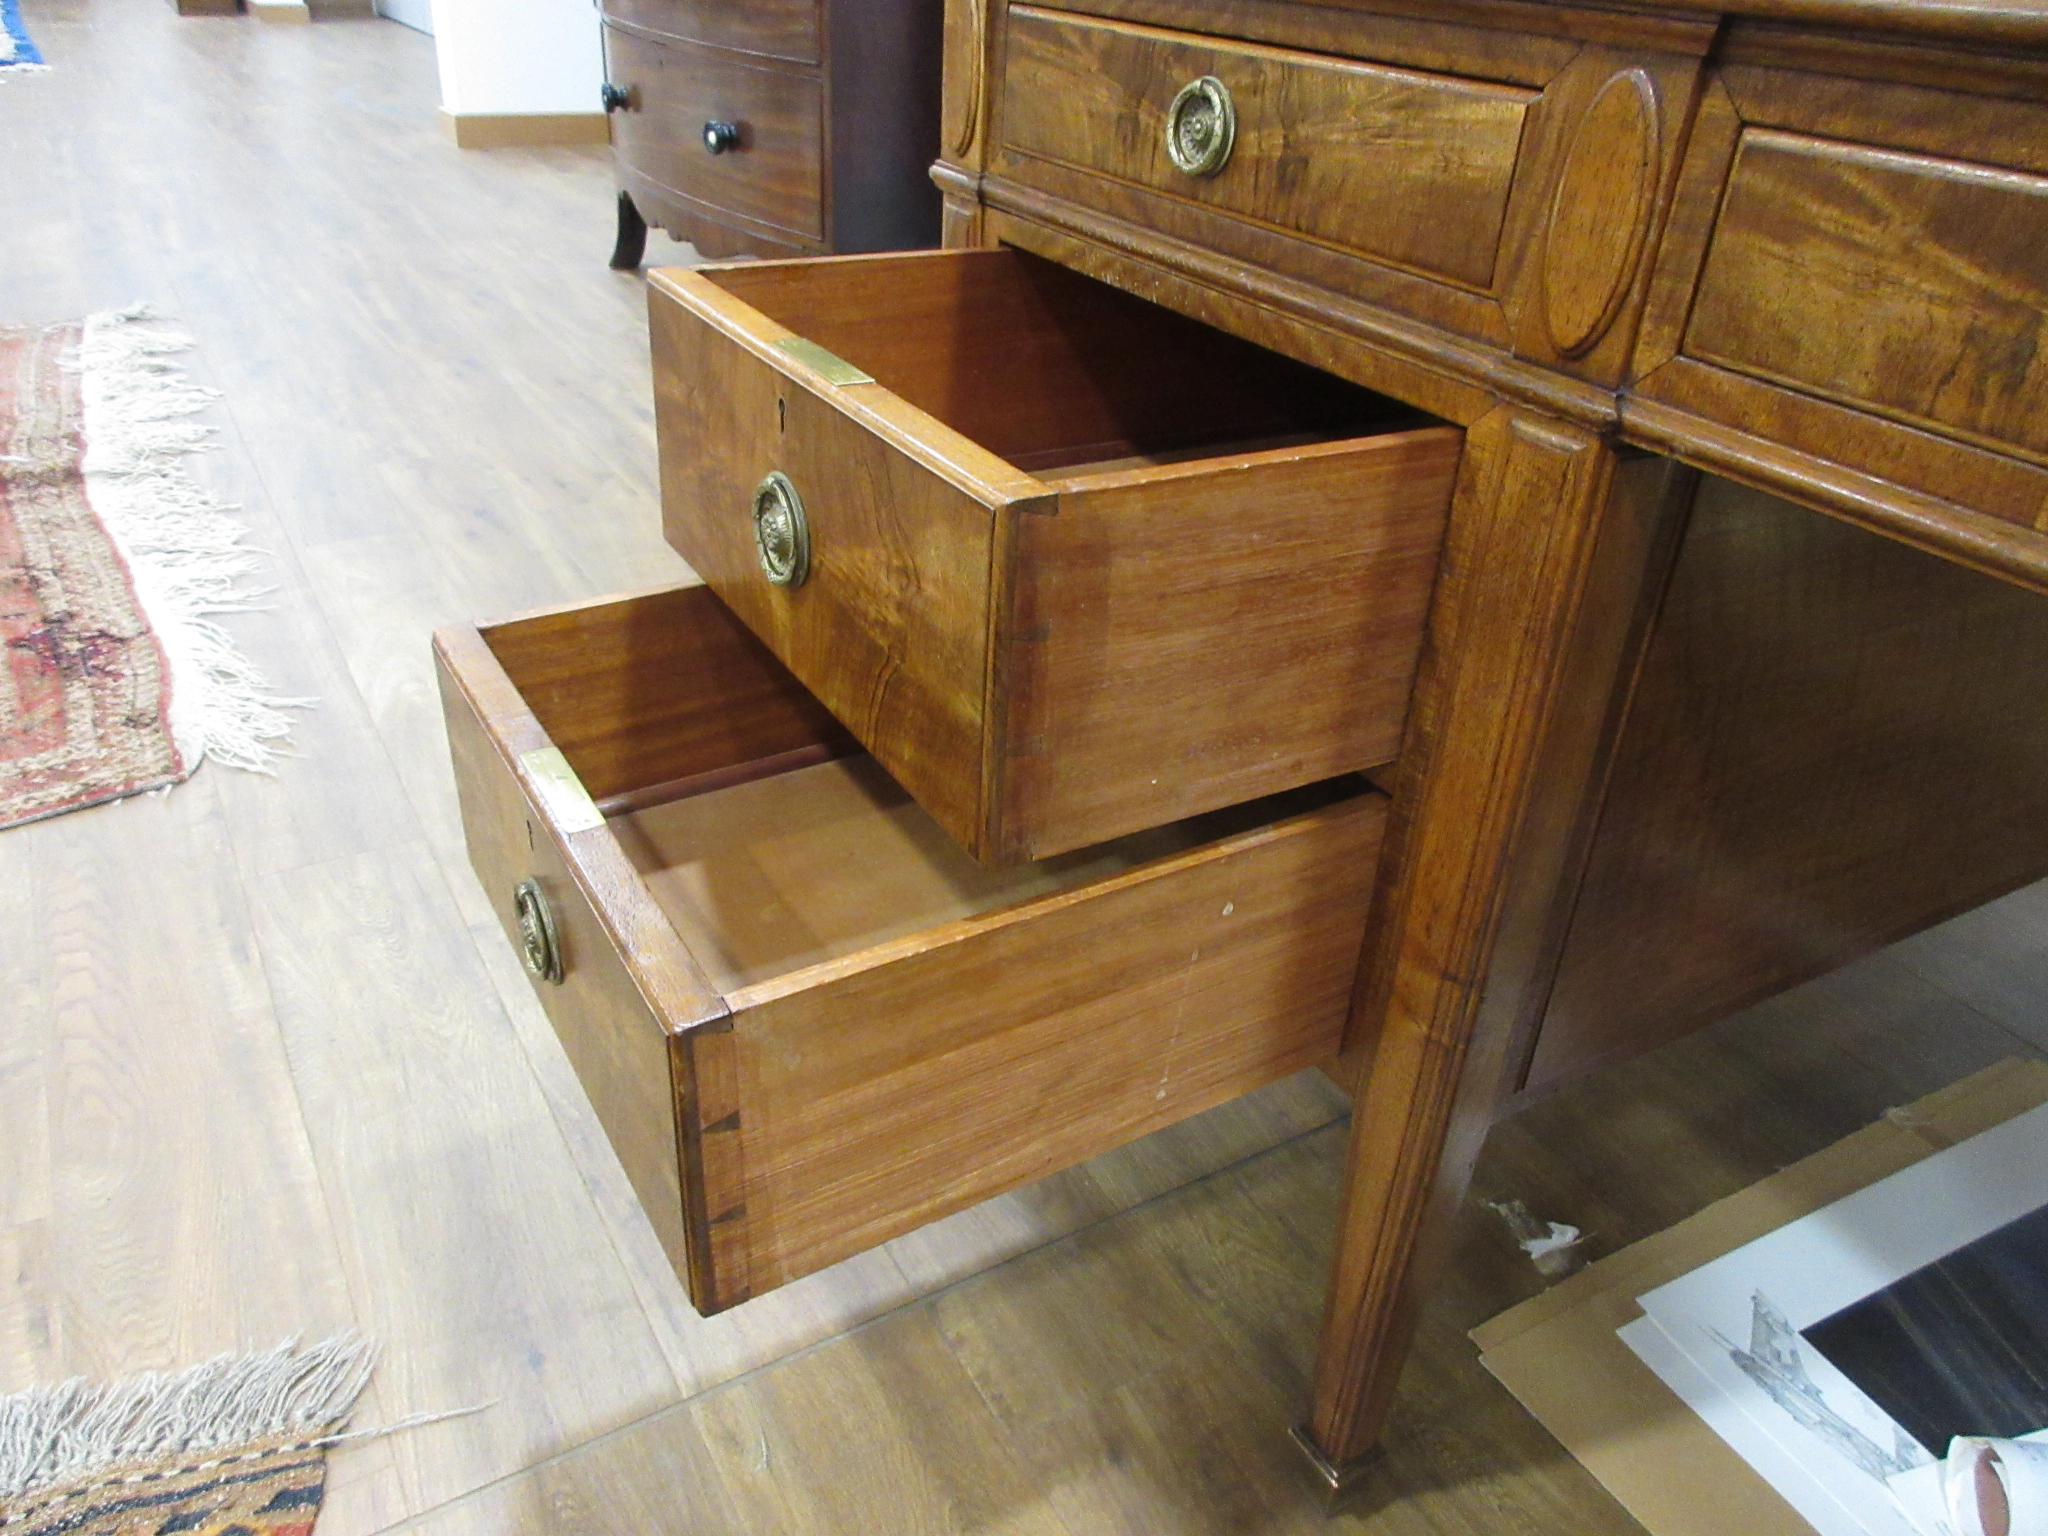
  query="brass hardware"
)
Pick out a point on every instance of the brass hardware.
point(782, 535)
point(835, 369)
point(537, 941)
point(1201, 127)
point(561, 794)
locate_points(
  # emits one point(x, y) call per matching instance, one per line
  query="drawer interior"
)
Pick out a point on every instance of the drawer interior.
point(769, 839)
point(766, 878)
point(1053, 371)
point(806, 1019)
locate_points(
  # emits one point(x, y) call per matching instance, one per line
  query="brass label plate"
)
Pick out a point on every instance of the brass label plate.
point(834, 369)
point(567, 803)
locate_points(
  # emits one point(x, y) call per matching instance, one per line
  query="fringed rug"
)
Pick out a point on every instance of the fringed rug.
point(234, 1447)
point(113, 677)
point(18, 52)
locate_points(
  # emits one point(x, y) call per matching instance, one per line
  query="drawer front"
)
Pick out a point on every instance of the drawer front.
point(773, 178)
point(779, 1119)
point(779, 29)
point(1048, 659)
point(1920, 284)
point(1855, 277)
point(890, 625)
point(1407, 168)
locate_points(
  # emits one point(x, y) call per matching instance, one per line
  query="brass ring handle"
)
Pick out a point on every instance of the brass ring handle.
point(1201, 127)
point(537, 940)
point(782, 534)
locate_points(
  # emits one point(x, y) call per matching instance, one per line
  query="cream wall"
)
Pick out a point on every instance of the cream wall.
point(521, 57)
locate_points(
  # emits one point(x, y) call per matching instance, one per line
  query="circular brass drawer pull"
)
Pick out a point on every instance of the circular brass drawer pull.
point(782, 535)
point(1201, 127)
point(537, 941)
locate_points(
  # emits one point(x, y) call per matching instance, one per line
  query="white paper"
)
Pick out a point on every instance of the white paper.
point(1726, 1336)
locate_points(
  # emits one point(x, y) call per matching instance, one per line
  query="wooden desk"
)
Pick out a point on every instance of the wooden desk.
point(1687, 279)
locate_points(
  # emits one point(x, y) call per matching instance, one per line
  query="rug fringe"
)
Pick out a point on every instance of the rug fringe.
point(184, 549)
point(75, 1428)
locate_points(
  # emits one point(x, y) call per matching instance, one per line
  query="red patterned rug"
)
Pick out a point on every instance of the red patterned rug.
point(113, 677)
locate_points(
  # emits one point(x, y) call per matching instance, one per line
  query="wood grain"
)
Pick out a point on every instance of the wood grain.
point(1548, 550)
point(869, 1050)
point(701, 692)
point(1182, 638)
point(1918, 285)
point(890, 631)
point(1040, 688)
point(1766, 819)
point(1023, 1041)
point(777, 29)
point(1601, 212)
point(1036, 364)
point(1336, 151)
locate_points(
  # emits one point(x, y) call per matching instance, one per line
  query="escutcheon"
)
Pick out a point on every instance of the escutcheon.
point(1201, 127)
point(782, 535)
point(537, 941)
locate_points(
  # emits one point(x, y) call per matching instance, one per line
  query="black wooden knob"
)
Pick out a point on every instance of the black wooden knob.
point(615, 98)
point(719, 137)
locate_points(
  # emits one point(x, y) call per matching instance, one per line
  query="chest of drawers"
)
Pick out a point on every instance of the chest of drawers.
point(777, 127)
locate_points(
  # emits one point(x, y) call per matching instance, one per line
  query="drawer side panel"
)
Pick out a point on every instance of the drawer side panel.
point(1198, 641)
point(887, 1097)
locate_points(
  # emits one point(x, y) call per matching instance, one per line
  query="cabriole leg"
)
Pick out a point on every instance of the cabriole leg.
point(632, 242)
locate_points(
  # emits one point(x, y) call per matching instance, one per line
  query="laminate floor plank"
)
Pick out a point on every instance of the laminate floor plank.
point(473, 1253)
point(186, 1214)
point(1993, 959)
point(878, 1431)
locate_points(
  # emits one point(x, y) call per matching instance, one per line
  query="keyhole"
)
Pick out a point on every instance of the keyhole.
point(781, 416)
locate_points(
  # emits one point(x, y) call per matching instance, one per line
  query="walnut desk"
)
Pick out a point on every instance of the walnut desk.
point(1626, 422)
point(1733, 657)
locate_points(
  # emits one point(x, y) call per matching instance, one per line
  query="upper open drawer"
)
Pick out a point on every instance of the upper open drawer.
point(1068, 563)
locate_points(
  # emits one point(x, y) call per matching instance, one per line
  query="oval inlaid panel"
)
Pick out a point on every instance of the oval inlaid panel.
point(966, 62)
point(1601, 211)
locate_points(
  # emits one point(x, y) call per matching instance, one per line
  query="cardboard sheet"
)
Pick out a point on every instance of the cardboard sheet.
point(1559, 1355)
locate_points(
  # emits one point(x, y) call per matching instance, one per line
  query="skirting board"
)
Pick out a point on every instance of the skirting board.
point(517, 130)
point(208, 7)
point(294, 11)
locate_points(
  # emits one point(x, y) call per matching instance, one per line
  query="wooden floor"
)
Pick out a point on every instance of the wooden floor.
point(267, 1068)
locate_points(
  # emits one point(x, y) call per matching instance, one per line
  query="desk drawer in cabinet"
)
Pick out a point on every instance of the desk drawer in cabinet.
point(807, 1021)
point(1854, 282)
point(1067, 563)
point(769, 183)
point(1409, 169)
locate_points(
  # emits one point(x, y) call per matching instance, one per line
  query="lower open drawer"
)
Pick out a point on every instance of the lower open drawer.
point(806, 1018)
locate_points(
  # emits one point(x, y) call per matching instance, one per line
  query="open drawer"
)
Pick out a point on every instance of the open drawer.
point(807, 1020)
point(1068, 563)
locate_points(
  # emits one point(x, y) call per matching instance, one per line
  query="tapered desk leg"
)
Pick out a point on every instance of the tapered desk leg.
point(1557, 549)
